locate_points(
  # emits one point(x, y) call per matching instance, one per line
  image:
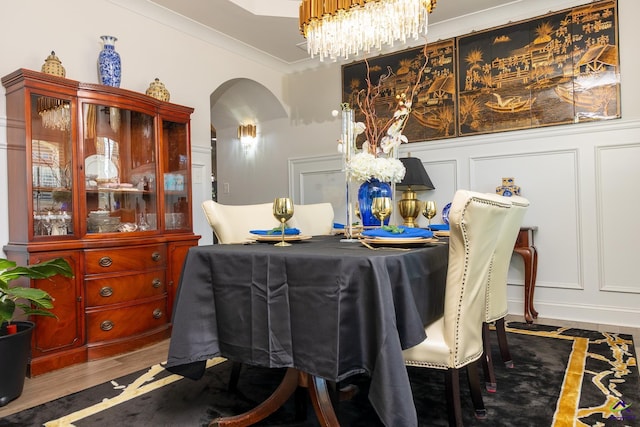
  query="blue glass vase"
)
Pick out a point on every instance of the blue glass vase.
point(109, 70)
point(367, 191)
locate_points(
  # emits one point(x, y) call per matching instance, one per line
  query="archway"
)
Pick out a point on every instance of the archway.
point(238, 101)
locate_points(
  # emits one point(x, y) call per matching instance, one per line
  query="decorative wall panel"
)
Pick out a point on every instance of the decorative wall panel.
point(433, 109)
point(319, 179)
point(554, 198)
point(618, 208)
point(555, 69)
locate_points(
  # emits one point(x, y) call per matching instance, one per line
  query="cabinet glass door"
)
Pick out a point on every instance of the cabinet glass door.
point(119, 170)
point(51, 166)
point(176, 175)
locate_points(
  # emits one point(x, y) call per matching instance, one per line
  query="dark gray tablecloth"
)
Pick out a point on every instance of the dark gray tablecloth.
point(327, 308)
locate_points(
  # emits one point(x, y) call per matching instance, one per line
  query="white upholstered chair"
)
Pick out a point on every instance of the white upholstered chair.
point(496, 303)
point(314, 219)
point(232, 223)
point(455, 340)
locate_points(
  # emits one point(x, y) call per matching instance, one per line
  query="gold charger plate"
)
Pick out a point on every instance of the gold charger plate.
point(278, 237)
point(441, 233)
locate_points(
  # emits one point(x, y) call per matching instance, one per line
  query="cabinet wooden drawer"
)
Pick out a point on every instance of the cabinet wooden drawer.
point(134, 258)
point(112, 290)
point(122, 322)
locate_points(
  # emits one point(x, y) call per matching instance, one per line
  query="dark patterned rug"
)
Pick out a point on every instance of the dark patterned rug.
point(562, 377)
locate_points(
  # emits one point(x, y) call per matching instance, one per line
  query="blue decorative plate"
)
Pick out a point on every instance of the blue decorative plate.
point(445, 213)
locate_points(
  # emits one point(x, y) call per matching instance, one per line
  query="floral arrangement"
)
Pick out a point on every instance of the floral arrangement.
point(364, 166)
point(378, 158)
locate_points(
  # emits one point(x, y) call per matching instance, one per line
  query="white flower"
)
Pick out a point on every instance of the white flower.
point(393, 138)
point(364, 166)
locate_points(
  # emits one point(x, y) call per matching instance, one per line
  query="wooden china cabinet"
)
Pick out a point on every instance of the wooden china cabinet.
point(100, 176)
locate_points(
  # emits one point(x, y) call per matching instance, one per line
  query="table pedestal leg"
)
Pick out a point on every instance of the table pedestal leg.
point(322, 401)
point(293, 378)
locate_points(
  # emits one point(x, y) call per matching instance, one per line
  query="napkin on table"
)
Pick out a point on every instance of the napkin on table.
point(408, 232)
point(276, 231)
point(439, 227)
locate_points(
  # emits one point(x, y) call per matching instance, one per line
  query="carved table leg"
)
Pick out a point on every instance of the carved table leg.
point(534, 313)
point(527, 256)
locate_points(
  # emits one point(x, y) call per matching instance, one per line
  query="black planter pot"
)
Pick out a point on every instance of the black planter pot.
point(15, 351)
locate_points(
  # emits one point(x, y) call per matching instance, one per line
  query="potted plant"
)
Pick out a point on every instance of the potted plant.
point(15, 336)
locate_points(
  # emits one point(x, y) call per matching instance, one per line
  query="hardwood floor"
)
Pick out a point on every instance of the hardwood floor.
point(53, 385)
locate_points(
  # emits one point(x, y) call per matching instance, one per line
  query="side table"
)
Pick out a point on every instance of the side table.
point(525, 247)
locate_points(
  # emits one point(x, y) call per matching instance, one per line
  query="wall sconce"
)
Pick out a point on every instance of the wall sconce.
point(416, 178)
point(247, 136)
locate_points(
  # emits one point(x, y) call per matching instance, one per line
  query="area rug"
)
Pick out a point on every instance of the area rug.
point(562, 377)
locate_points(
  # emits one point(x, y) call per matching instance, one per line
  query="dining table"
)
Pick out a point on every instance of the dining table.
point(324, 309)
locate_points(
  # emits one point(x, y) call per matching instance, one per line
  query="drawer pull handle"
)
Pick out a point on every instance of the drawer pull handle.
point(156, 283)
point(155, 256)
point(107, 325)
point(106, 291)
point(105, 261)
point(157, 313)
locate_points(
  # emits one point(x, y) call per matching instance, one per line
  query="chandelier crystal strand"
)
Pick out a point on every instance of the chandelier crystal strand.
point(55, 113)
point(340, 28)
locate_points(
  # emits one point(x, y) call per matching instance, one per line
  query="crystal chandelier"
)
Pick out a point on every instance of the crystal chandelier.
point(54, 112)
point(339, 28)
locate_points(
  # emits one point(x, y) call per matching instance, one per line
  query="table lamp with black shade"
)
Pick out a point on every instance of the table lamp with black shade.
point(415, 179)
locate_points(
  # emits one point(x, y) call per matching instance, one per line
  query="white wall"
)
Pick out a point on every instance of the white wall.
point(580, 178)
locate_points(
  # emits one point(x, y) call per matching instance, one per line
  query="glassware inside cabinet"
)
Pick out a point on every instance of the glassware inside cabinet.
point(176, 175)
point(120, 169)
point(51, 166)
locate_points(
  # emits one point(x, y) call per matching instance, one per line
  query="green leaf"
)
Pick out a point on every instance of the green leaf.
point(37, 312)
point(33, 301)
point(5, 264)
point(7, 307)
point(27, 293)
point(276, 230)
point(393, 229)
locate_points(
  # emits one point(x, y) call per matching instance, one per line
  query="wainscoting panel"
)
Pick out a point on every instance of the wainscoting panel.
point(554, 197)
point(319, 179)
point(444, 177)
point(618, 176)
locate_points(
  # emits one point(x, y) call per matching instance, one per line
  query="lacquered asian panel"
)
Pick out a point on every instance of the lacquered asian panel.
point(555, 69)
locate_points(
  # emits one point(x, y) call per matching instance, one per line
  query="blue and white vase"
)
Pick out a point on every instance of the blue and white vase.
point(109, 70)
point(367, 191)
